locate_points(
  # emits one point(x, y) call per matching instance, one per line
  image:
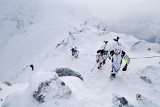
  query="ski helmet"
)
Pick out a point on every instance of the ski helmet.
point(117, 50)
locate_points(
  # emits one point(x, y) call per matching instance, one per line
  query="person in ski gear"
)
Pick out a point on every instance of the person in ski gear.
point(116, 57)
point(105, 50)
point(101, 58)
point(75, 52)
point(32, 67)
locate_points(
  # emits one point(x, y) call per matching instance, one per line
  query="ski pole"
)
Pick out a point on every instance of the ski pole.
point(93, 67)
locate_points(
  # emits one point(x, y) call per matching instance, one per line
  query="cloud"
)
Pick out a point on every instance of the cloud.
point(135, 17)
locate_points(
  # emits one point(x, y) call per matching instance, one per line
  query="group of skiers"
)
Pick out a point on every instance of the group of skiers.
point(115, 55)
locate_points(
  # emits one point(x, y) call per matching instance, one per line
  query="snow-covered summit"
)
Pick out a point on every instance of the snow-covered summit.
point(42, 33)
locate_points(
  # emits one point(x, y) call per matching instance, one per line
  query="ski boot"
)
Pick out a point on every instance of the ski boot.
point(113, 76)
point(100, 67)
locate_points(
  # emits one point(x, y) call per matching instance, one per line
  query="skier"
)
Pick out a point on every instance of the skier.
point(32, 67)
point(116, 57)
point(102, 55)
point(101, 58)
point(75, 52)
point(105, 50)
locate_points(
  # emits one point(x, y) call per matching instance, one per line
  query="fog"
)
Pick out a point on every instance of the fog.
point(140, 18)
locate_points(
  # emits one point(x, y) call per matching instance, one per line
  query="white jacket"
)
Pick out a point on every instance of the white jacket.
point(116, 62)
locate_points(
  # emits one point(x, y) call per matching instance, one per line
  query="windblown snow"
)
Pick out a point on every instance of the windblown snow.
point(42, 33)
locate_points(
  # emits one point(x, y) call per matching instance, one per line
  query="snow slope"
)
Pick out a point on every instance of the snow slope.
point(28, 27)
point(56, 24)
point(97, 89)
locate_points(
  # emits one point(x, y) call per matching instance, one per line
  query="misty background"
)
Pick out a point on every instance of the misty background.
point(139, 17)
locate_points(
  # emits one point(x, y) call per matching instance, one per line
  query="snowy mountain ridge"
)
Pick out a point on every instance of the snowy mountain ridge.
point(91, 38)
point(42, 33)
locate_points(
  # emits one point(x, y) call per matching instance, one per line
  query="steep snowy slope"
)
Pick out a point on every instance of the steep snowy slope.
point(28, 27)
point(43, 32)
point(96, 90)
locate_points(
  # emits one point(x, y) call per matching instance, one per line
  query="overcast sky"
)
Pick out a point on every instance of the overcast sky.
point(137, 17)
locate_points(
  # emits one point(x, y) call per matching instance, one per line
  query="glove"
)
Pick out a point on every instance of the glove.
point(97, 61)
point(124, 68)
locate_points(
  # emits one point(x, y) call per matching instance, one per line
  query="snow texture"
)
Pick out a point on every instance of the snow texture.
point(52, 88)
point(42, 33)
point(120, 101)
point(144, 102)
point(45, 89)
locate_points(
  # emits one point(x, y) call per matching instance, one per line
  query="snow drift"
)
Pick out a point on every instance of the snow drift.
point(44, 87)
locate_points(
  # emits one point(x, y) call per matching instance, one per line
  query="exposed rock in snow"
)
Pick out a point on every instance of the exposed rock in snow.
point(68, 72)
point(29, 31)
point(146, 79)
point(150, 74)
point(144, 102)
point(52, 88)
point(120, 101)
point(43, 87)
point(7, 83)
